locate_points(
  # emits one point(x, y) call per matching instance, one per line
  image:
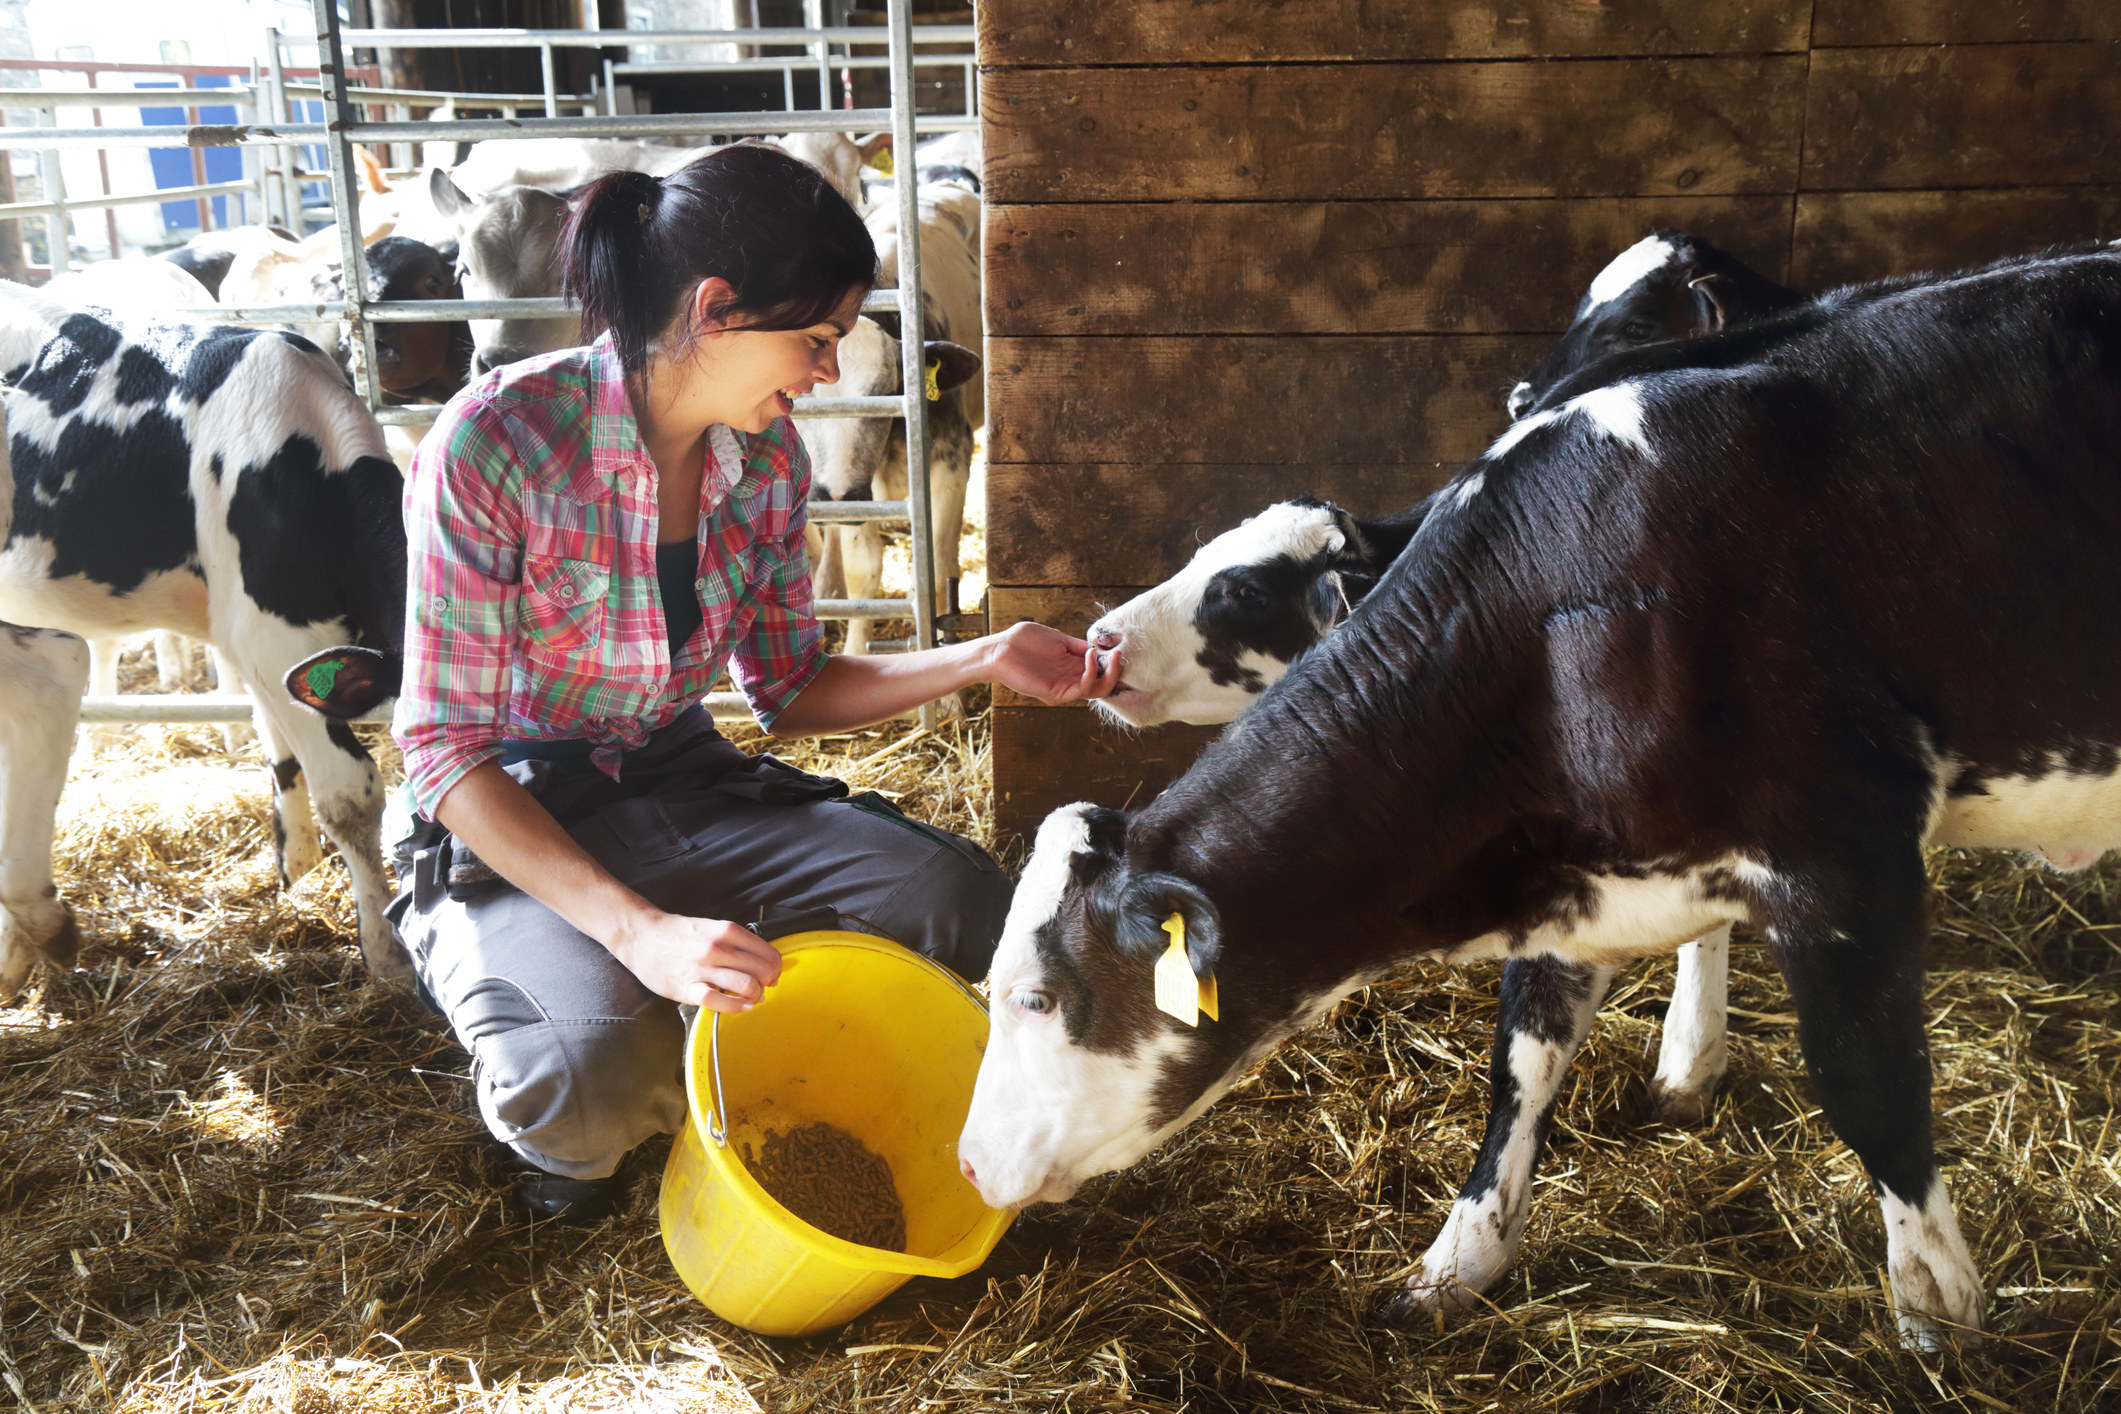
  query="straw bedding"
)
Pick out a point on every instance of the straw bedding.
point(235, 1174)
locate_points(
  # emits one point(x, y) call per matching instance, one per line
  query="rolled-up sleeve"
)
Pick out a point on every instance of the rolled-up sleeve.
point(464, 537)
point(783, 649)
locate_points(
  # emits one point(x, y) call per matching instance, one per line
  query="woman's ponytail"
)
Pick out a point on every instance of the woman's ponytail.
point(608, 249)
point(635, 247)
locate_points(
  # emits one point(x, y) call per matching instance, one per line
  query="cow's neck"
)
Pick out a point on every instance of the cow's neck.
point(1361, 815)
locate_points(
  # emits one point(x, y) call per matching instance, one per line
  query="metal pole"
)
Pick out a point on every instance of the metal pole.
point(913, 356)
point(611, 92)
point(110, 217)
point(283, 155)
point(346, 200)
point(56, 226)
point(814, 16)
point(552, 105)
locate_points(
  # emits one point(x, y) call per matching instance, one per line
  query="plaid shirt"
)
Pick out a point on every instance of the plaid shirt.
point(533, 611)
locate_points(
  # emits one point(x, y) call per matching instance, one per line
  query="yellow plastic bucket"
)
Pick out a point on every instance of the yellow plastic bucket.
point(862, 1034)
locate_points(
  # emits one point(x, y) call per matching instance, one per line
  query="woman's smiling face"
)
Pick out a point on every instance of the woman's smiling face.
point(750, 377)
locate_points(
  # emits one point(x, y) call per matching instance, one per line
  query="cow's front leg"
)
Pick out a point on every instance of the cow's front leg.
point(42, 676)
point(1691, 1055)
point(347, 792)
point(1547, 1008)
point(1856, 978)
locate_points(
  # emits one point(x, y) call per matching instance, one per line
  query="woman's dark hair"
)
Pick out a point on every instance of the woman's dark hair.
point(636, 246)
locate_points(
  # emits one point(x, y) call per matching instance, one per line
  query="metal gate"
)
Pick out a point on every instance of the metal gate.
point(343, 127)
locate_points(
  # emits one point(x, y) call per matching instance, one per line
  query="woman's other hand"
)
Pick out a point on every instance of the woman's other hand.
point(703, 962)
point(1047, 664)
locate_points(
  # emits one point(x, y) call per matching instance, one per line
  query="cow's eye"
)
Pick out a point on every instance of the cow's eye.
point(1032, 1000)
point(1640, 330)
point(1249, 594)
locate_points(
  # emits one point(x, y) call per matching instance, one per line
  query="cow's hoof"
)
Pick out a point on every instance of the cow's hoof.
point(1681, 1109)
point(1424, 1302)
point(63, 947)
point(1926, 1335)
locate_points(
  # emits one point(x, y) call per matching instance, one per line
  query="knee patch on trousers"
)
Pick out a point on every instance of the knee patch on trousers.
point(950, 909)
point(575, 1095)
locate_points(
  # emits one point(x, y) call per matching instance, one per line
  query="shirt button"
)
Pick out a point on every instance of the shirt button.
point(700, 584)
point(566, 591)
point(440, 604)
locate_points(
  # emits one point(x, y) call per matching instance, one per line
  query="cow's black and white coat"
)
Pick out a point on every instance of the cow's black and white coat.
point(223, 483)
point(1203, 645)
point(1735, 637)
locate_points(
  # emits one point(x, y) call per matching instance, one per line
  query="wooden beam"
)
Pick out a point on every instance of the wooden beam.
point(1849, 22)
point(1843, 236)
point(1601, 127)
point(1974, 116)
point(1416, 401)
point(1035, 32)
point(1373, 267)
point(1070, 524)
point(1045, 758)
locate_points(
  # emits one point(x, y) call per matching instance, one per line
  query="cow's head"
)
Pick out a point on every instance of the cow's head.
point(1082, 1073)
point(413, 356)
point(507, 248)
point(1668, 285)
point(846, 452)
point(1203, 644)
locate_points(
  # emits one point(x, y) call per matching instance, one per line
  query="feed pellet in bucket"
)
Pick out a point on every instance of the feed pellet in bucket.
point(831, 1180)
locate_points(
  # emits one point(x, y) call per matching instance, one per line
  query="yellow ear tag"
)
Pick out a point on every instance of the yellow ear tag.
point(1178, 992)
point(928, 382)
point(882, 161)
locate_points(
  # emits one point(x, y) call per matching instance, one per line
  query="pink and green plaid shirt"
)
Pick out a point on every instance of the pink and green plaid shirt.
point(533, 612)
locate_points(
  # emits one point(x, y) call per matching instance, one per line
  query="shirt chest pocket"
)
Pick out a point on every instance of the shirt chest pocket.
point(563, 602)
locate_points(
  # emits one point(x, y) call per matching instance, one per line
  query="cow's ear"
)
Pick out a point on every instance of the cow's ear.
point(1105, 835)
point(344, 683)
point(1709, 313)
point(448, 197)
point(1353, 551)
point(1146, 905)
point(952, 364)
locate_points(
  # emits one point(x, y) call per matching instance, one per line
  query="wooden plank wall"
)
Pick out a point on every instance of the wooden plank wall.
point(1237, 251)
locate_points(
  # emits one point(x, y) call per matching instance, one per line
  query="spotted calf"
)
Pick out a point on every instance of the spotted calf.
point(222, 483)
point(1735, 640)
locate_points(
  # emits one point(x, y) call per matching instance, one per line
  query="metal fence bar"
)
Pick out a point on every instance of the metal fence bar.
point(837, 120)
point(913, 354)
point(57, 228)
point(603, 39)
point(15, 210)
point(345, 201)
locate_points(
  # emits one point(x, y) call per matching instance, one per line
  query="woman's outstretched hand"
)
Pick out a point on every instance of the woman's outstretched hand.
point(1047, 664)
point(703, 962)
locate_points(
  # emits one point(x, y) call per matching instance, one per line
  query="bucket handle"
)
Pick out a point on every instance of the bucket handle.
point(719, 1131)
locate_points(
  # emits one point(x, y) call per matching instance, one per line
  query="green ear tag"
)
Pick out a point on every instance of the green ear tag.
point(322, 677)
point(928, 381)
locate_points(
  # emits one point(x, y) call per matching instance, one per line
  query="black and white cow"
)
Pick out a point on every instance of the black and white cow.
point(865, 459)
point(1668, 285)
point(1202, 646)
point(224, 483)
point(1734, 637)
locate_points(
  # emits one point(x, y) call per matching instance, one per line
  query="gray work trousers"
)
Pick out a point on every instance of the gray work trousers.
point(575, 1062)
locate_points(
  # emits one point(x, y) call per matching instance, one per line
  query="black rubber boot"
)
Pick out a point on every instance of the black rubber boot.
point(574, 1201)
